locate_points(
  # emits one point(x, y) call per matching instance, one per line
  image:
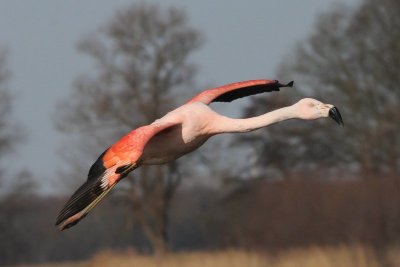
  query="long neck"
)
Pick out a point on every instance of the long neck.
point(229, 125)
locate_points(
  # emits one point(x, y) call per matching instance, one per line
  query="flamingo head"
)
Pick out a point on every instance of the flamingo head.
point(311, 109)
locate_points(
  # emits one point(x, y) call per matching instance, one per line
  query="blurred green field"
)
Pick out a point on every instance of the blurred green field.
point(343, 256)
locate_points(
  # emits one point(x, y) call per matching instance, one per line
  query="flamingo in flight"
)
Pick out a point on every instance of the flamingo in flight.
point(177, 133)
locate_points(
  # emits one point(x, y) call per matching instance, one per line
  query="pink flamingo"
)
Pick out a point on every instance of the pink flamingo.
point(178, 133)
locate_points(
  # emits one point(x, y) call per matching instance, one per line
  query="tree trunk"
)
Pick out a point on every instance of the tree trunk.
point(157, 237)
point(150, 206)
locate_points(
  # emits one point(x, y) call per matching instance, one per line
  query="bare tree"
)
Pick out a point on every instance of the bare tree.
point(142, 59)
point(351, 59)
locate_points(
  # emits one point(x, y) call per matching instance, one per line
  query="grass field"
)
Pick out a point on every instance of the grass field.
point(343, 256)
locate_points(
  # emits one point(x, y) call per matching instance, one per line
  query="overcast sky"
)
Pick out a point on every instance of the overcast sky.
point(244, 40)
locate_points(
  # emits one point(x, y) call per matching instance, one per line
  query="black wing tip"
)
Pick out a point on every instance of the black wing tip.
point(289, 84)
point(69, 222)
point(61, 221)
point(82, 197)
point(63, 225)
point(267, 86)
point(58, 221)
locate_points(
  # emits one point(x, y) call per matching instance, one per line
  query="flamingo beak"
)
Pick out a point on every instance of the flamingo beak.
point(335, 115)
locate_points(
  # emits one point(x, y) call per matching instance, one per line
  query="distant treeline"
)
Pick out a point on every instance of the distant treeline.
point(263, 215)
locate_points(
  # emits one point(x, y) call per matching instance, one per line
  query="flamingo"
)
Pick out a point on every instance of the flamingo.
point(177, 133)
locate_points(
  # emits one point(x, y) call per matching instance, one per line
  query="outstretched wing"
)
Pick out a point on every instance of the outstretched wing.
point(233, 91)
point(112, 165)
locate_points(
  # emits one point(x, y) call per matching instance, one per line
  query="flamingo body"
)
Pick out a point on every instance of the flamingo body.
point(190, 132)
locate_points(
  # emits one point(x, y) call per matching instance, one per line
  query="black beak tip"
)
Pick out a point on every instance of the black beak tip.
point(335, 115)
